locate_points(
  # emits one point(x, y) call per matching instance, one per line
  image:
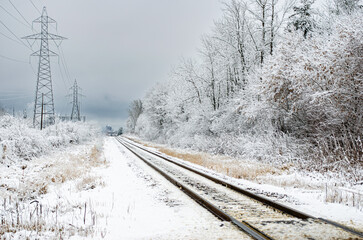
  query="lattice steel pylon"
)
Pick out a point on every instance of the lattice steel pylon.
point(76, 108)
point(44, 114)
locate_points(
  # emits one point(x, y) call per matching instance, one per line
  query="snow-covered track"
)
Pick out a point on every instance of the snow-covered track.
point(205, 203)
point(256, 215)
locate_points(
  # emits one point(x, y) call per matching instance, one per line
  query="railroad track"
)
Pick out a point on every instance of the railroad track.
point(257, 216)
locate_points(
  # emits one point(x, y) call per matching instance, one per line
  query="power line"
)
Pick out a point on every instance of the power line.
point(62, 76)
point(14, 35)
point(12, 39)
point(63, 60)
point(31, 66)
point(13, 98)
point(64, 63)
point(35, 6)
point(12, 59)
point(40, 2)
point(64, 67)
point(20, 13)
point(12, 94)
point(13, 16)
point(29, 25)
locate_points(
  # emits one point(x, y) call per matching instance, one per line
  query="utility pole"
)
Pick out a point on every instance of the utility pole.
point(44, 89)
point(76, 108)
point(42, 113)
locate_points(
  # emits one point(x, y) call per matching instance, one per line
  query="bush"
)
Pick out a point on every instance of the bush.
point(19, 141)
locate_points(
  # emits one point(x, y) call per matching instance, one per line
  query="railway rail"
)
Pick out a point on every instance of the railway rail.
point(257, 216)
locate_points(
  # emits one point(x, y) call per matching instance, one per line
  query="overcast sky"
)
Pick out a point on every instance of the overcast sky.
point(117, 50)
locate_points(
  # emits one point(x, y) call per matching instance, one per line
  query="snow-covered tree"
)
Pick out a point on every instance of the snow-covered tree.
point(254, 83)
point(346, 6)
point(302, 19)
point(318, 90)
point(134, 111)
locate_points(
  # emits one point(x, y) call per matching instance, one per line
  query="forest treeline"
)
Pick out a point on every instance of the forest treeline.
point(276, 81)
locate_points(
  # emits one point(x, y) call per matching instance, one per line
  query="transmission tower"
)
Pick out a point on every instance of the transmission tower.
point(76, 108)
point(44, 102)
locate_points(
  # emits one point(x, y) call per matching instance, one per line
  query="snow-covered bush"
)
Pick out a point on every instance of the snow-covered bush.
point(317, 91)
point(19, 141)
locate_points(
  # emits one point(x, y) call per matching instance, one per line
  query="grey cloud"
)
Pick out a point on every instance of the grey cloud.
point(118, 49)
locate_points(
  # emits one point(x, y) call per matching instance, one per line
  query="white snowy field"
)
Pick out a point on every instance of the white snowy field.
point(311, 193)
point(110, 194)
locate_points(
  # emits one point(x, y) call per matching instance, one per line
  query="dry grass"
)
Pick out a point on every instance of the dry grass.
point(37, 178)
point(95, 158)
point(34, 180)
point(25, 221)
point(263, 173)
point(231, 167)
point(90, 182)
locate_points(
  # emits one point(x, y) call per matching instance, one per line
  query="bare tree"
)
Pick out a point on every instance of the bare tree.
point(213, 87)
point(260, 14)
point(236, 17)
point(187, 72)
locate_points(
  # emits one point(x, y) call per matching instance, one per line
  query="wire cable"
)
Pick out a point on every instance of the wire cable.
point(62, 76)
point(14, 35)
point(29, 25)
point(64, 63)
point(35, 7)
point(13, 98)
point(13, 16)
point(12, 39)
point(12, 59)
point(20, 13)
point(31, 66)
point(11, 92)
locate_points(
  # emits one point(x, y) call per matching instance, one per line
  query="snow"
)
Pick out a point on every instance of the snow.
point(299, 191)
point(140, 204)
point(300, 106)
point(19, 141)
point(95, 188)
point(113, 196)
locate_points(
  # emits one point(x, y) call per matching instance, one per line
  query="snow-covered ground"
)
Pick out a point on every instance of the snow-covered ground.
point(34, 194)
point(302, 191)
point(138, 203)
point(99, 190)
point(111, 195)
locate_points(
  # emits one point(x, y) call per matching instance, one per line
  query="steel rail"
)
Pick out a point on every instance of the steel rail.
point(264, 200)
point(244, 226)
